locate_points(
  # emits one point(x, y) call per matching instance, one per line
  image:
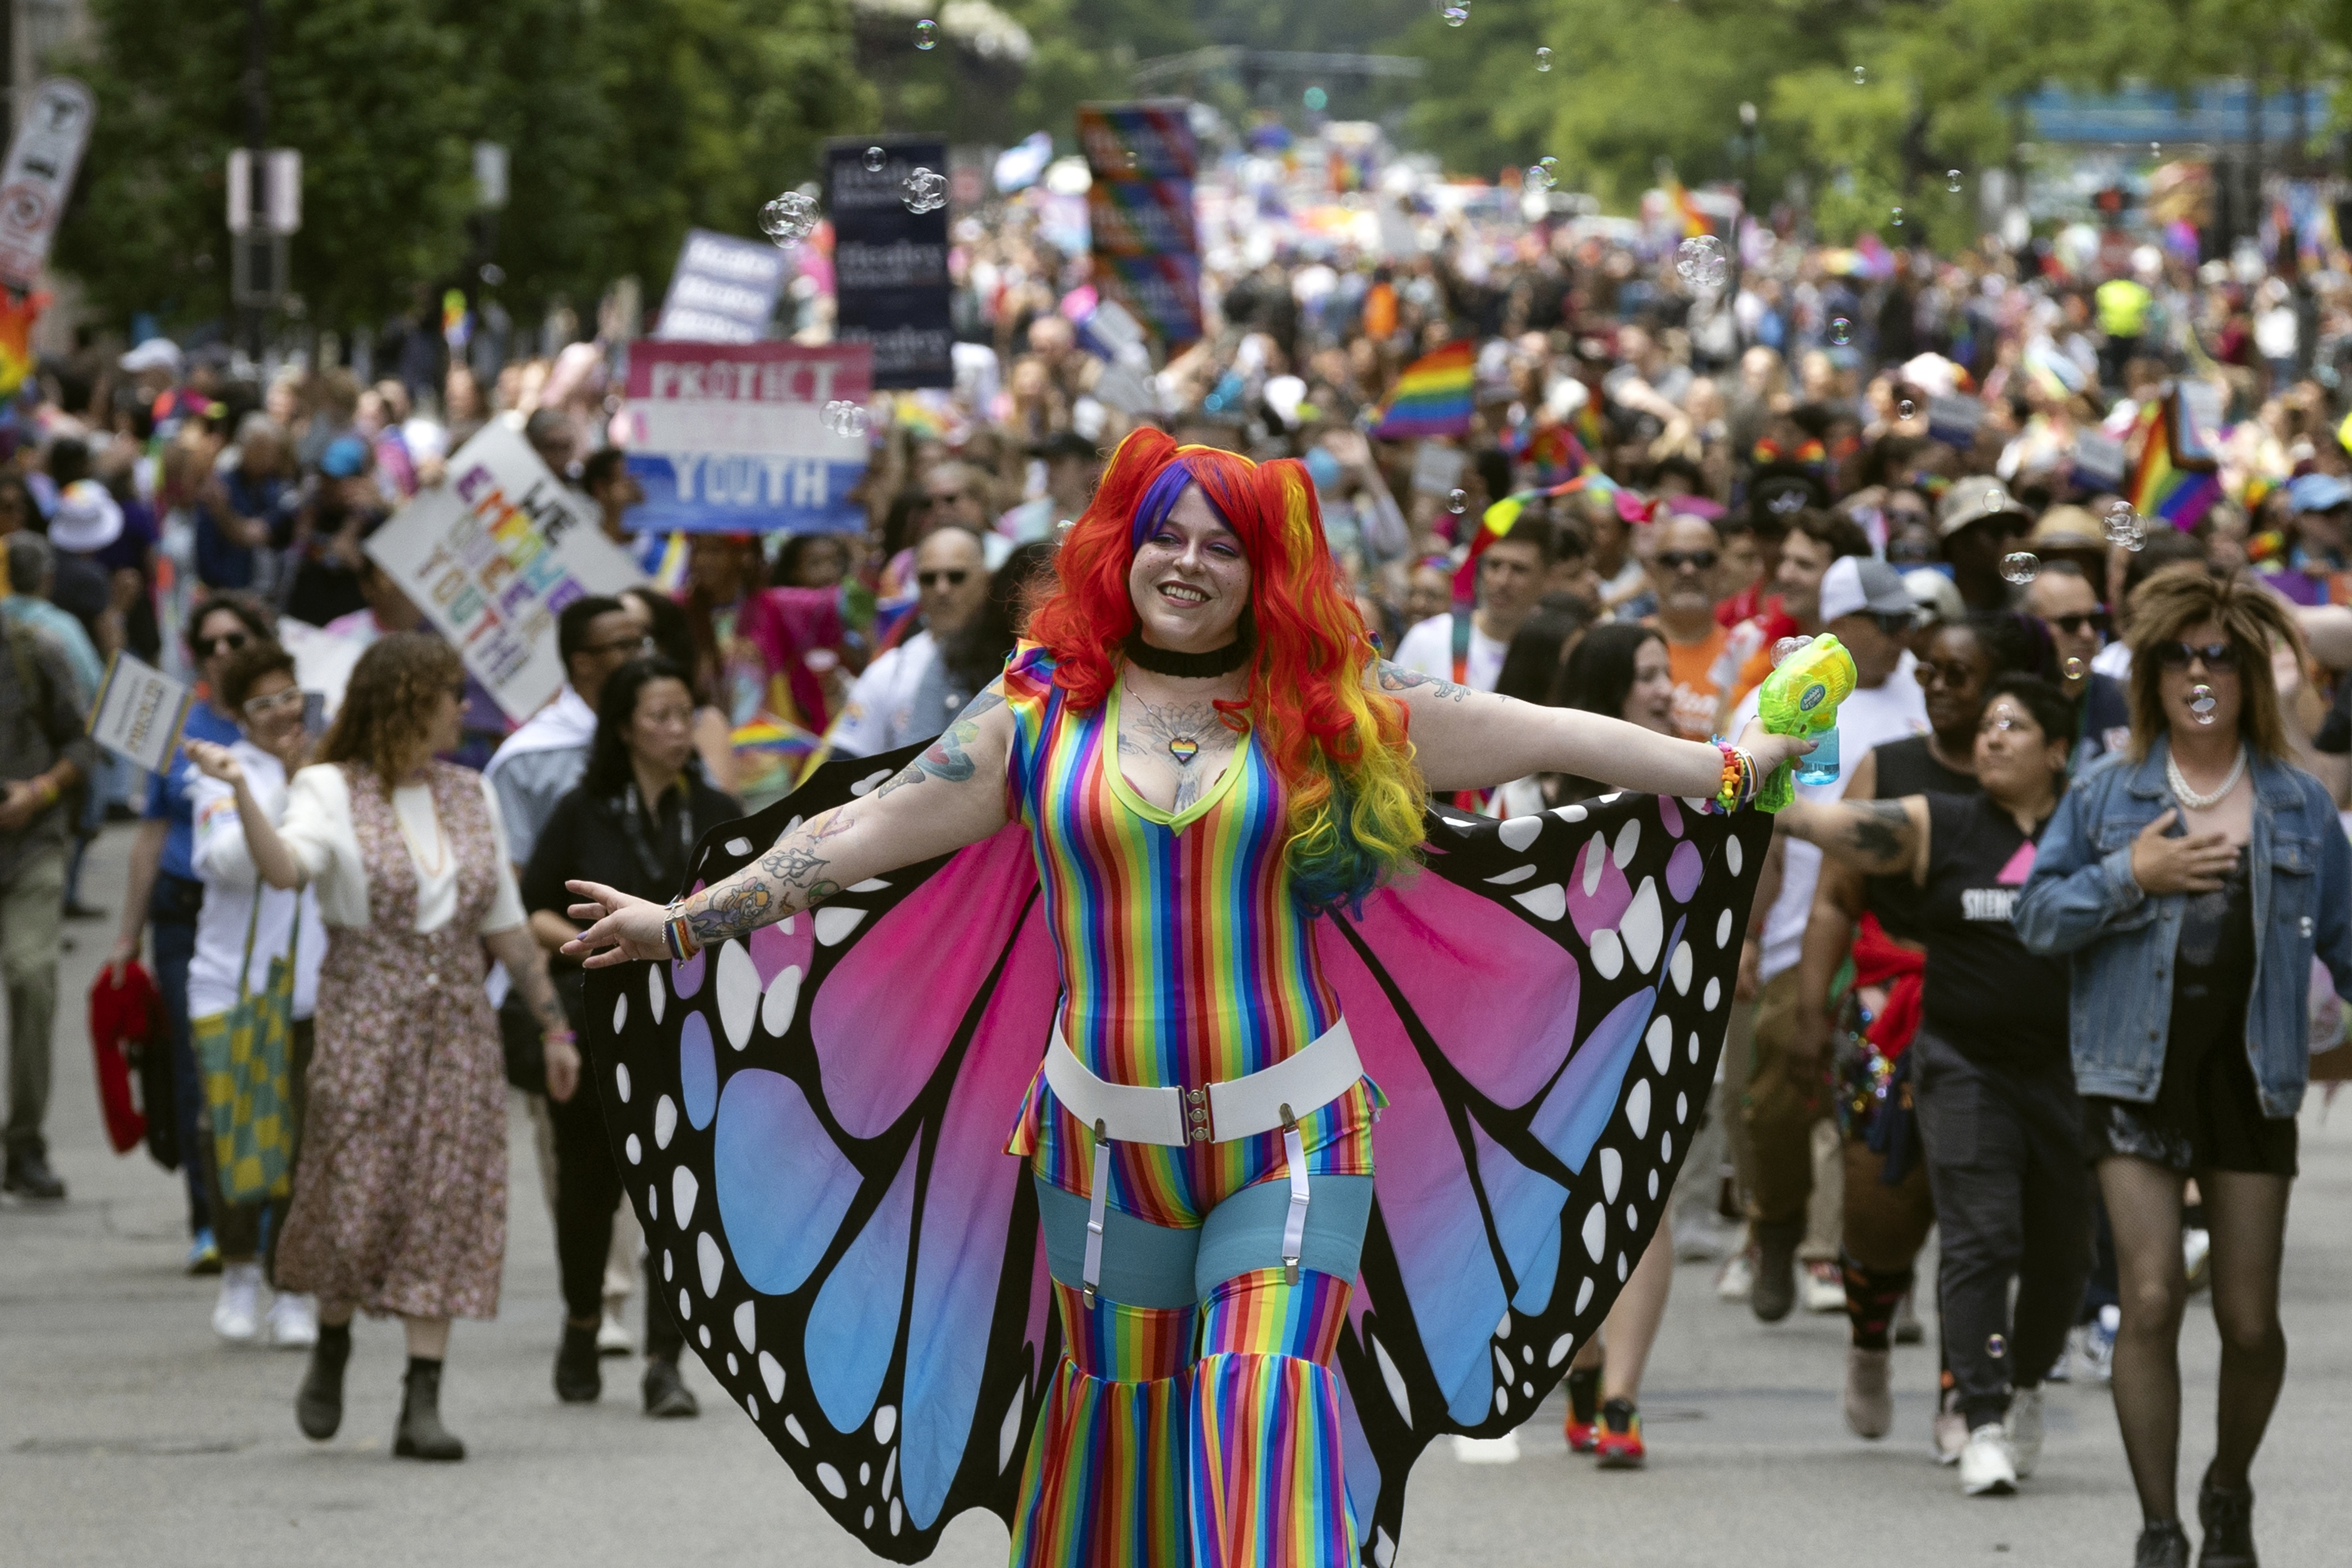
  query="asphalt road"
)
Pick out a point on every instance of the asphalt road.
point(129, 1435)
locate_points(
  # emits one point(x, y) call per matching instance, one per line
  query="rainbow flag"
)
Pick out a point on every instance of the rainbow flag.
point(2161, 485)
point(1496, 524)
point(770, 753)
point(17, 314)
point(1432, 398)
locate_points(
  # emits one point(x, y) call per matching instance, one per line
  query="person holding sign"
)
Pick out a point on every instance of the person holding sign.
point(400, 1197)
point(43, 753)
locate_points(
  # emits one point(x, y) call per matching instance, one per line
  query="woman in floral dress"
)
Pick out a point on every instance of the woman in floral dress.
point(400, 1203)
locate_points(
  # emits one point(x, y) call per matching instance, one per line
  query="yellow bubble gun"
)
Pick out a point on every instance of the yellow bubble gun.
point(1800, 696)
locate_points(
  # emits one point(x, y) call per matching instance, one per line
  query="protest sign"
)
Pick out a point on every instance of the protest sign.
point(890, 265)
point(39, 175)
point(722, 290)
point(492, 555)
point(1142, 157)
point(1437, 467)
point(139, 712)
point(2099, 461)
point(1954, 420)
point(730, 438)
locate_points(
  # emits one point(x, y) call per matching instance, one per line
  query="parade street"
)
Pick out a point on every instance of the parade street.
point(131, 1435)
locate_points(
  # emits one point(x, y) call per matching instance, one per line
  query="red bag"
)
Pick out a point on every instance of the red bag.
point(128, 1012)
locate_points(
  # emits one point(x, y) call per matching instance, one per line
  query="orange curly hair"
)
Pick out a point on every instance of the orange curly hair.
point(1352, 792)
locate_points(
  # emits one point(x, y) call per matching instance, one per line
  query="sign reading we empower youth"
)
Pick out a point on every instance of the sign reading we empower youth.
point(492, 555)
point(730, 439)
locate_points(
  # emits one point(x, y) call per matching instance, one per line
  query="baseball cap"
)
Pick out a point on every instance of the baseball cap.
point(154, 353)
point(345, 456)
point(1933, 597)
point(2319, 492)
point(2068, 527)
point(1856, 584)
point(1971, 500)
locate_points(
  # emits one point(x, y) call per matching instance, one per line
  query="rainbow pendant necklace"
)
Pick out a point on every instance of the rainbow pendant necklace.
point(1183, 747)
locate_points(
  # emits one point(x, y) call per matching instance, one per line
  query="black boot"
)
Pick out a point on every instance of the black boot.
point(666, 1396)
point(421, 1434)
point(29, 1177)
point(1775, 1290)
point(318, 1407)
point(577, 1380)
point(2228, 1515)
point(2161, 1545)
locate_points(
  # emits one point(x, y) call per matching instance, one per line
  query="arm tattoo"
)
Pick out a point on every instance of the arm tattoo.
point(788, 877)
point(1395, 679)
point(1877, 830)
point(947, 758)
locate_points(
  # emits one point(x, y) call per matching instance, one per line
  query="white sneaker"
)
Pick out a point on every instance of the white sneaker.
point(1987, 1467)
point(612, 1335)
point(1737, 1277)
point(2099, 1344)
point(1823, 1287)
point(2024, 1429)
point(236, 1316)
point(293, 1322)
point(2196, 1246)
point(1502, 1451)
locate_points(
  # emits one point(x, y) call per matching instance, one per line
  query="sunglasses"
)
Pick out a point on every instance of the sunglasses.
point(2074, 626)
point(1696, 560)
point(1954, 675)
point(640, 646)
point(1892, 625)
point(227, 642)
point(289, 699)
point(952, 576)
point(2217, 655)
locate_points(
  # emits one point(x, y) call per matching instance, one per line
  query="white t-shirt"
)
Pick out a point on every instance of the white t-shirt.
point(318, 829)
point(1428, 648)
point(881, 713)
point(230, 881)
point(1870, 717)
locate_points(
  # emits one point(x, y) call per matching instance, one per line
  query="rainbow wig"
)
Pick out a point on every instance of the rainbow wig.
point(1352, 792)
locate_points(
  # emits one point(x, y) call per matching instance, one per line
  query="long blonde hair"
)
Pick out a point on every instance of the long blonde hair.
point(2179, 596)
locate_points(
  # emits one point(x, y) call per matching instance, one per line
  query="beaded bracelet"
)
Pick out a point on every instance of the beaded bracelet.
point(1739, 783)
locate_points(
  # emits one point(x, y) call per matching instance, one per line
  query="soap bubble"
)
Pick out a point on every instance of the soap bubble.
point(1898, 217)
point(1538, 177)
point(1860, 76)
point(1996, 1346)
point(2156, 149)
point(1456, 15)
point(2075, 668)
point(1840, 330)
point(1994, 500)
point(2122, 526)
point(1788, 649)
point(2200, 703)
point(924, 190)
point(874, 159)
point(1701, 262)
point(1457, 501)
point(1904, 408)
point(1543, 59)
point(1952, 180)
point(2021, 567)
point(927, 35)
point(843, 417)
point(790, 218)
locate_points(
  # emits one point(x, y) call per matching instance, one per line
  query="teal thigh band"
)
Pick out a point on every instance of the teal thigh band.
point(1143, 1265)
point(1245, 1232)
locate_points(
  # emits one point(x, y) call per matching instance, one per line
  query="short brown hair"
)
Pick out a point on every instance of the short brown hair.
point(2255, 620)
point(1833, 531)
point(387, 712)
point(243, 669)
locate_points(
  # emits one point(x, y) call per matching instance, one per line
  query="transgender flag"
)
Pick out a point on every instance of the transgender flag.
point(1432, 398)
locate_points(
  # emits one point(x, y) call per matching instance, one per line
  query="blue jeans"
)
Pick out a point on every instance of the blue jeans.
point(175, 949)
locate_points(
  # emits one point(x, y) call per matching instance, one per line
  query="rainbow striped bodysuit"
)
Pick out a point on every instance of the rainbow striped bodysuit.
point(1193, 1419)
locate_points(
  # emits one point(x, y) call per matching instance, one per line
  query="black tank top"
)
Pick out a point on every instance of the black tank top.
point(1907, 767)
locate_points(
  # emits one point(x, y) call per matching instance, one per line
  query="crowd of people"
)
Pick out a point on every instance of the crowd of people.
point(2088, 745)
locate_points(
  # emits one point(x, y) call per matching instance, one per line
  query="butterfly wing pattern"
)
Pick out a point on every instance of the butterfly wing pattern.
point(810, 1123)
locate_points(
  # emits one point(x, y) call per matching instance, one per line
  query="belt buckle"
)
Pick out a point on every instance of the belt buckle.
point(1197, 1109)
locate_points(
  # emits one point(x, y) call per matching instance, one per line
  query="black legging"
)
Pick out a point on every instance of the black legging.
point(2247, 1217)
point(587, 1190)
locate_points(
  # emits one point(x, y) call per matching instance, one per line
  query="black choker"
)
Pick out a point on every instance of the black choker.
point(1188, 666)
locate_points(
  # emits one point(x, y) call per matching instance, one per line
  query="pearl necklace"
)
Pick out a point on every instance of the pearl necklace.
point(2189, 797)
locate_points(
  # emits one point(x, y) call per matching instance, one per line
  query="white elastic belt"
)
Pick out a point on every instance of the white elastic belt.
point(1271, 1098)
point(1218, 1113)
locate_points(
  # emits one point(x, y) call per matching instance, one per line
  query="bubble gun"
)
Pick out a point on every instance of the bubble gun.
point(1801, 698)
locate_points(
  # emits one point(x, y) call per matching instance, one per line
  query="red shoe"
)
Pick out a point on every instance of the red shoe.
point(1619, 1445)
point(1583, 1424)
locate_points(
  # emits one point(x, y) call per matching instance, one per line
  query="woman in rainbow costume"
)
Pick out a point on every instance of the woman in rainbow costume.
point(1161, 906)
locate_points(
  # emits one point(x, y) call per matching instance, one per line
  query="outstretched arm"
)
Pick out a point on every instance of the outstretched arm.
point(1471, 740)
point(951, 795)
point(1878, 837)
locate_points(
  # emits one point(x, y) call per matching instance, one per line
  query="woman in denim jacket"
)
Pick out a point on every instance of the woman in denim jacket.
point(2193, 878)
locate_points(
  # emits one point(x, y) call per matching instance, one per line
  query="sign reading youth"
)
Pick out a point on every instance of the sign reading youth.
point(491, 556)
point(890, 265)
point(730, 439)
